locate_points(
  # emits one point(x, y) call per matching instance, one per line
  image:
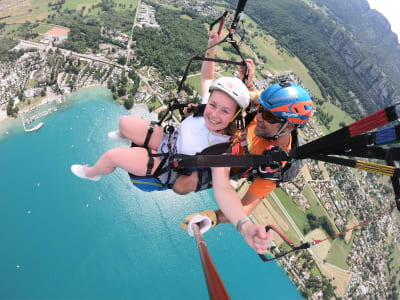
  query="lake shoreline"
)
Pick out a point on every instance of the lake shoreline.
point(10, 125)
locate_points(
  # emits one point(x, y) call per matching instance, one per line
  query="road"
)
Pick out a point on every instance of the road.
point(130, 37)
point(68, 52)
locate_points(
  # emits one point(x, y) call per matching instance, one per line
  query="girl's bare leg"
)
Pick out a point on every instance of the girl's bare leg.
point(135, 129)
point(185, 184)
point(134, 160)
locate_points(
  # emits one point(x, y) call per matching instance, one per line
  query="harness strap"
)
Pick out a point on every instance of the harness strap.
point(149, 133)
point(150, 163)
point(225, 61)
point(229, 160)
point(367, 140)
point(361, 165)
point(395, 183)
point(204, 179)
point(373, 152)
point(243, 141)
point(378, 119)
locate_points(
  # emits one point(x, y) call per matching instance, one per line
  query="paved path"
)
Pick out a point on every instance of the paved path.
point(130, 37)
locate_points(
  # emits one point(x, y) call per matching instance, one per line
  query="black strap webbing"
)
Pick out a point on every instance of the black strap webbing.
point(229, 160)
point(345, 134)
point(225, 61)
point(150, 163)
point(382, 153)
point(149, 133)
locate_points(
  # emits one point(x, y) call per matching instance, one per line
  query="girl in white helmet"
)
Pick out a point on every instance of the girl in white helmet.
point(228, 98)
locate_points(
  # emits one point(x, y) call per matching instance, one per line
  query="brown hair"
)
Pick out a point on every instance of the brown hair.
point(235, 124)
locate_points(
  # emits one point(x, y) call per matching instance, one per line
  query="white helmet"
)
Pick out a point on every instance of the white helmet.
point(233, 87)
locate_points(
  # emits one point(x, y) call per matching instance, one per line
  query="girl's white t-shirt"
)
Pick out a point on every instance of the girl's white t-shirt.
point(194, 136)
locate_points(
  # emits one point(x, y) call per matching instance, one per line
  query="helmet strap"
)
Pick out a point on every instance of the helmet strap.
point(280, 133)
point(236, 114)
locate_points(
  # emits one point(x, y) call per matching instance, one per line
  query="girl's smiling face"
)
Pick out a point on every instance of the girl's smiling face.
point(219, 111)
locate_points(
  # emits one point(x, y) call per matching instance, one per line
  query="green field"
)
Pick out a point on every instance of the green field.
point(298, 216)
point(154, 104)
point(26, 11)
point(338, 116)
point(78, 4)
point(38, 9)
point(42, 28)
point(28, 103)
point(339, 249)
point(31, 83)
point(10, 29)
point(195, 82)
point(186, 17)
point(290, 233)
point(316, 208)
point(339, 252)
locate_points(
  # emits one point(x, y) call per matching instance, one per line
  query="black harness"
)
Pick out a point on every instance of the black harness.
point(168, 160)
point(275, 170)
point(150, 163)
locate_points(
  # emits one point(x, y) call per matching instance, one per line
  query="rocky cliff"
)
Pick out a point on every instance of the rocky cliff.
point(367, 45)
point(368, 64)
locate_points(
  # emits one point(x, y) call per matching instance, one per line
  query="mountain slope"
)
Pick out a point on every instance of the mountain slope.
point(336, 59)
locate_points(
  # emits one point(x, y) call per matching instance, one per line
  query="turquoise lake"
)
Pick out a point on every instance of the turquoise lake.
point(67, 238)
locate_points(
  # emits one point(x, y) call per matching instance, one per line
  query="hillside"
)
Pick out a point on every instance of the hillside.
point(371, 30)
point(344, 72)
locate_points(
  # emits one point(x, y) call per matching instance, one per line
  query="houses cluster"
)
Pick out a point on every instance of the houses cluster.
point(344, 193)
point(114, 34)
point(14, 76)
point(146, 17)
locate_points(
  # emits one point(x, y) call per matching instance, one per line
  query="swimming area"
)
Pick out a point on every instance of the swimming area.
point(67, 238)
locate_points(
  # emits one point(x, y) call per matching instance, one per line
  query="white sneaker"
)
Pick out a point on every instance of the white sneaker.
point(117, 137)
point(78, 171)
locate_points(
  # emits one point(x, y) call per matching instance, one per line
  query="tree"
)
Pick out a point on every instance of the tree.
point(10, 106)
point(326, 225)
point(122, 60)
point(21, 96)
point(121, 91)
point(128, 103)
point(313, 221)
point(112, 87)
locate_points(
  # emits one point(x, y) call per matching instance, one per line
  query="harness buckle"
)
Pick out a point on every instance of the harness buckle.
point(169, 129)
point(370, 137)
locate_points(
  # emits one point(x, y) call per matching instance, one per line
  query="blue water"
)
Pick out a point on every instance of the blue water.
point(64, 237)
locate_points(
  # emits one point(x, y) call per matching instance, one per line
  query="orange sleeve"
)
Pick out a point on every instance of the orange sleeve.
point(262, 187)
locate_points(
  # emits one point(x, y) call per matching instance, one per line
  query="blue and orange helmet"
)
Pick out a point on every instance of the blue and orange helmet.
point(288, 101)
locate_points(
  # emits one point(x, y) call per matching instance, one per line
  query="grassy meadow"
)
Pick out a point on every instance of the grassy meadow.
point(36, 10)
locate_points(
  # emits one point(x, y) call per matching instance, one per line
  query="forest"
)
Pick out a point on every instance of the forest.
point(170, 49)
